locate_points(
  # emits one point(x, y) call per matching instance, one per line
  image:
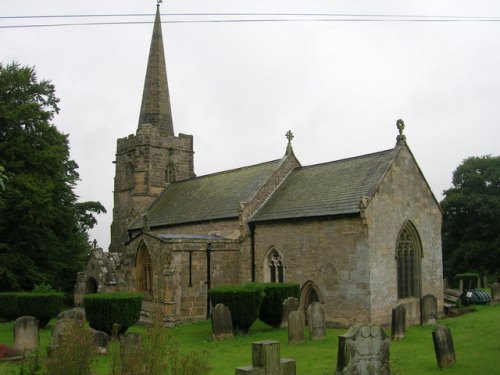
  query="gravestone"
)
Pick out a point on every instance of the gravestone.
point(222, 324)
point(443, 346)
point(131, 339)
point(428, 309)
point(290, 304)
point(76, 313)
point(26, 333)
point(296, 325)
point(100, 342)
point(316, 321)
point(398, 323)
point(363, 350)
point(495, 293)
point(266, 361)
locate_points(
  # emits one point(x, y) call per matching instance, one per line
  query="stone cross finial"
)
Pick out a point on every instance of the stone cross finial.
point(94, 243)
point(289, 136)
point(158, 2)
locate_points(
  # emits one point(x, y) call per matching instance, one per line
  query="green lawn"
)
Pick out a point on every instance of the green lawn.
point(475, 335)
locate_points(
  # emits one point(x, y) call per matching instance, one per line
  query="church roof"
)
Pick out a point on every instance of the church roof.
point(210, 197)
point(328, 189)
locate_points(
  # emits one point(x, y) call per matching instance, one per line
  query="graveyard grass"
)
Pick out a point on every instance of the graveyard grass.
point(475, 336)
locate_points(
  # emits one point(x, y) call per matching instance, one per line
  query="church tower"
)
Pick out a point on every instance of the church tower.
point(154, 157)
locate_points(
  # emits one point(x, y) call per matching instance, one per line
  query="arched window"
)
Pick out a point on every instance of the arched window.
point(275, 264)
point(129, 176)
point(408, 254)
point(143, 271)
point(170, 173)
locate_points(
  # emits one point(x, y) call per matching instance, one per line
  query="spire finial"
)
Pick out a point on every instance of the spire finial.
point(289, 136)
point(401, 138)
point(158, 2)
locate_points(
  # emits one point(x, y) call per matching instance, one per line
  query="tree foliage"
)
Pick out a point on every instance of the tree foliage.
point(471, 218)
point(42, 226)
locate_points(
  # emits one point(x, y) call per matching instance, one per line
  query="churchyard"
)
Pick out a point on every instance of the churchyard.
point(475, 337)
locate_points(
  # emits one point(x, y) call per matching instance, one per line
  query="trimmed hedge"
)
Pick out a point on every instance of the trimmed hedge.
point(102, 310)
point(271, 310)
point(244, 301)
point(8, 305)
point(43, 306)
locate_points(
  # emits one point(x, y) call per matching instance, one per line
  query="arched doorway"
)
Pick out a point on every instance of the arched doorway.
point(309, 293)
point(143, 270)
point(91, 286)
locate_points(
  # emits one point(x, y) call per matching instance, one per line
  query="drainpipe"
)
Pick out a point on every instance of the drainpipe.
point(208, 250)
point(252, 250)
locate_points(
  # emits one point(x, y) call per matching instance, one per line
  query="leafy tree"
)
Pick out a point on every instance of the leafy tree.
point(2, 178)
point(471, 218)
point(43, 236)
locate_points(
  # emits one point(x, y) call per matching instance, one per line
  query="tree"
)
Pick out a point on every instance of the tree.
point(43, 228)
point(2, 178)
point(471, 218)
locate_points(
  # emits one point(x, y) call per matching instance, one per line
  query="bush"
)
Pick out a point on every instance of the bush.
point(8, 305)
point(469, 279)
point(243, 300)
point(271, 309)
point(43, 306)
point(105, 309)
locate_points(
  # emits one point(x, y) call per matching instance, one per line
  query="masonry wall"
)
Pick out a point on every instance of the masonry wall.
point(331, 253)
point(402, 196)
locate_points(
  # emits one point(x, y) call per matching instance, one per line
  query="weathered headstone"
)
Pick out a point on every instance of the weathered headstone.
point(266, 361)
point(222, 324)
point(296, 325)
point(26, 333)
point(363, 350)
point(398, 323)
point(428, 309)
point(76, 313)
point(100, 342)
point(131, 339)
point(290, 304)
point(443, 346)
point(495, 293)
point(316, 321)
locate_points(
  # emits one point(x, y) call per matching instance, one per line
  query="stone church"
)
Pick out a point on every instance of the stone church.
point(360, 235)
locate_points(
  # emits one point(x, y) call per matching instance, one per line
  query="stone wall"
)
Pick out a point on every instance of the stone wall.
point(402, 196)
point(331, 253)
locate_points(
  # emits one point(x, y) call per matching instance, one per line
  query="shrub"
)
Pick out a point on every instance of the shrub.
point(43, 306)
point(8, 305)
point(105, 309)
point(243, 300)
point(469, 279)
point(271, 309)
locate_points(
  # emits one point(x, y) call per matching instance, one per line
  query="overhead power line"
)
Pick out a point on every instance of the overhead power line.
point(282, 17)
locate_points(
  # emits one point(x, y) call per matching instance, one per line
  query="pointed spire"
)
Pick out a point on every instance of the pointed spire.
point(155, 107)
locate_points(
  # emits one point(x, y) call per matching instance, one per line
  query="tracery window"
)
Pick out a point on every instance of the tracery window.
point(170, 173)
point(408, 254)
point(275, 263)
point(143, 269)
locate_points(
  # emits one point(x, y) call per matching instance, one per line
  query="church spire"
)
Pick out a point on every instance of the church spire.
point(155, 107)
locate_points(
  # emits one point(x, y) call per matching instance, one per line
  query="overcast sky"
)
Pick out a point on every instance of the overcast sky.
point(238, 87)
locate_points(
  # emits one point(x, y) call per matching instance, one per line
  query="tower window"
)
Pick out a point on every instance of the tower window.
point(170, 173)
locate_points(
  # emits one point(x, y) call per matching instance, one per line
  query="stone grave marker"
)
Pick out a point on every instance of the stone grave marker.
point(131, 339)
point(495, 293)
point(316, 321)
point(363, 350)
point(26, 333)
point(428, 309)
point(100, 341)
point(398, 323)
point(290, 304)
point(266, 360)
point(443, 346)
point(76, 313)
point(296, 325)
point(222, 324)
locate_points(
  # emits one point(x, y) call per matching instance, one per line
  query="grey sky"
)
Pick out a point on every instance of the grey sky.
point(238, 87)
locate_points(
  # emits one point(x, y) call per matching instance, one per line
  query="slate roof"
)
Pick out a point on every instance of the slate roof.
point(210, 197)
point(328, 189)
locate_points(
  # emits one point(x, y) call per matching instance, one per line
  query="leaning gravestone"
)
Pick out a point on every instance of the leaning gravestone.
point(428, 309)
point(398, 323)
point(290, 304)
point(26, 333)
point(266, 361)
point(100, 341)
point(296, 325)
point(495, 293)
point(363, 350)
point(222, 324)
point(443, 346)
point(316, 321)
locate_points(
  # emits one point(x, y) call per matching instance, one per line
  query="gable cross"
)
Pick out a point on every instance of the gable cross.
point(289, 136)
